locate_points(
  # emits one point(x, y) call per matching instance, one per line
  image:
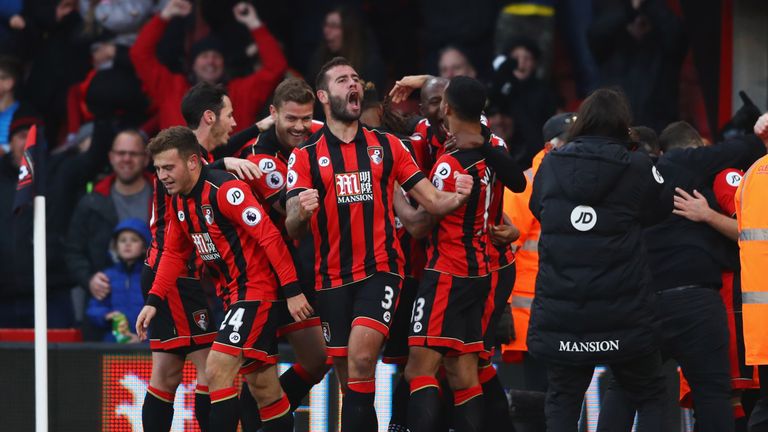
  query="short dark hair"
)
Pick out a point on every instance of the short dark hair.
point(679, 134)
point(528, 44)
point(466, 96)
point(133, 132)
point(293, 90)
point(321, 83)
point(177, 137)
point(200, 98)
point(646, 139)
point(604, 113)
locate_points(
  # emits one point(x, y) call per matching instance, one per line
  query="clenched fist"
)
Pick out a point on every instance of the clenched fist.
point(245, 14)
point(309, 201)
point(464, 184)
point(176, 8)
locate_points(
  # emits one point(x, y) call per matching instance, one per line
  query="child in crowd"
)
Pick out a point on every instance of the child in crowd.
point(121, 307)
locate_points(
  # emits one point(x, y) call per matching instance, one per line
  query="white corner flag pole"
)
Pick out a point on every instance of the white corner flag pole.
point(41, 321)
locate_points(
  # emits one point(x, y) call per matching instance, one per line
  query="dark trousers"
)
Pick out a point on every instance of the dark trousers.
point(758, 420)
point(642, 378)
point(695, 333)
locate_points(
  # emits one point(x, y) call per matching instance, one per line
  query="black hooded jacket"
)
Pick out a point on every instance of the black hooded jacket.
point(593, 300)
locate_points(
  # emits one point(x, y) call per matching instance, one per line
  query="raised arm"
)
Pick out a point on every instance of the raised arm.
point(260, 84)
point(154, 76)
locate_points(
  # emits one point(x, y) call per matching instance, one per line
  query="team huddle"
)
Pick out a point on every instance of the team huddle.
point(336, 239)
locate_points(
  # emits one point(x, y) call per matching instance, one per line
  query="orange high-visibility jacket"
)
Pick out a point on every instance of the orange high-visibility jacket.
point(526, 256)
point(752, 215)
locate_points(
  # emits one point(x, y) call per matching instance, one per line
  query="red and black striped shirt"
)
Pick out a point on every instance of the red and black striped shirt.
point(354, 227)
point(272, 160)
point(223, 221)
point(498, 256)
point(457, 244)
point(414, 250)
point(426, 132)
point(158, 223)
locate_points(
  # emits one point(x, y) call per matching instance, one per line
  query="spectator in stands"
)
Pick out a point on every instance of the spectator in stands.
point(469, 26)
point(10, 73)
point(527, 98)
point(345, 35)
point(166, 89)
point(131, 237)
point(58, 53)
point(121, 19)
point(123, 195)
point(111, 85)
point(639, 45)
point(453, 62)
point(10, 22)
point(67, 172)
point(533, 19)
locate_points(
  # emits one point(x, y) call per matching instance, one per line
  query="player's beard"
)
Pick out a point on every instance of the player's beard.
point(339, 110)
point(219, 134)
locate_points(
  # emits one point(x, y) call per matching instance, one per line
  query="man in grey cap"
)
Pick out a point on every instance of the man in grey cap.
point(554, 131)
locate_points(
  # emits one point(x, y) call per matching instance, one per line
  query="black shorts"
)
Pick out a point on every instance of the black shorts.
point(287, 325)
point(249, 328)
point(502, 281)
point(396, 350)
point(183, 320)
point(369, 302)
point(448, 312)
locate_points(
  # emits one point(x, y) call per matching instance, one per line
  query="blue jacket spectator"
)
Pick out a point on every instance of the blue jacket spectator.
point(124, 277)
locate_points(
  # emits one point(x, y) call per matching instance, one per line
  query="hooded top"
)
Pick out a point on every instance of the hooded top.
point(593, 301)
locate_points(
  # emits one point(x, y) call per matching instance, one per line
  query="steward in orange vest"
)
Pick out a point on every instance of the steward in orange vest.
point(527, 246)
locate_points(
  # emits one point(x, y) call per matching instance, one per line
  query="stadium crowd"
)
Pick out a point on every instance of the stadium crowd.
point(439, 207)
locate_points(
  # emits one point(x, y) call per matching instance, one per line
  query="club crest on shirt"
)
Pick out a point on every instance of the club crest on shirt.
point(201, 319)
point(208, 214)
point(376, 154)
point(326, 332)
point(181, 216)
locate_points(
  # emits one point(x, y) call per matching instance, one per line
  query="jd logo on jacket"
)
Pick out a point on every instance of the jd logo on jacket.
point(583, 218)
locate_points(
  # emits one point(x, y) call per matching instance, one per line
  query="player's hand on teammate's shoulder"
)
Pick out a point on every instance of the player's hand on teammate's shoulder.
point(242, 168)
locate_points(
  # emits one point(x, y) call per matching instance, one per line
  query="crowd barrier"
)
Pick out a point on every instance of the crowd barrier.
point(101, 387)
